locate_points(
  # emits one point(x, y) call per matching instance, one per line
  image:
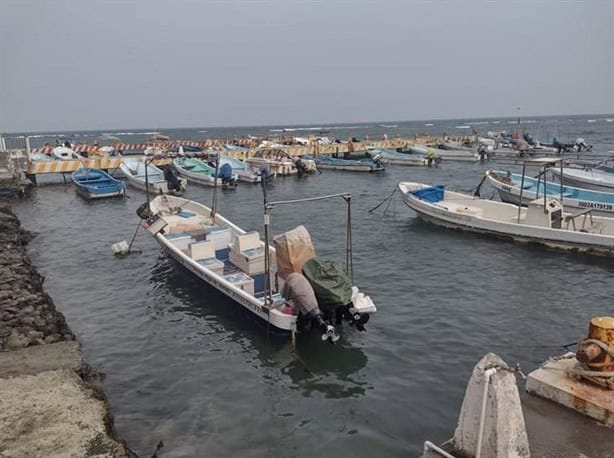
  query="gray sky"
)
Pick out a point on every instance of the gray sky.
point(67, 65)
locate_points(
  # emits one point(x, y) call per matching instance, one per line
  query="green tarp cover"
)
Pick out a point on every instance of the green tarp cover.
point(329, 282)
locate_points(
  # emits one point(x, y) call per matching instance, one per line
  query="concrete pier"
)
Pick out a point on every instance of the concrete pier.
point(46, 406)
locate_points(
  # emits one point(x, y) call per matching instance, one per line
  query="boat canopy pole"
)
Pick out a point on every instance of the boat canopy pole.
point(214, 202)
point(563, 206)
point(524, 170)
point(545, 193)
point(146, 162)
point(268, 208)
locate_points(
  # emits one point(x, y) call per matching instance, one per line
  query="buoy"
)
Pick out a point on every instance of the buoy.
point(120, 249)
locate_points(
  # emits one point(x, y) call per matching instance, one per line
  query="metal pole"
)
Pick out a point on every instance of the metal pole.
point(545, 209)
point(215, 178)
point(562, 184)
point(268, 297)
point(349, 262)
point(146, 180)
point(524, 169)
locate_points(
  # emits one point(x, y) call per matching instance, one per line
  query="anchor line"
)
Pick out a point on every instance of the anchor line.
point(386, 199)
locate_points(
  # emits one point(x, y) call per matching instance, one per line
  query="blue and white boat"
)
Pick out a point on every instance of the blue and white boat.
point(596, 179)
point(326, 162)
point(243, 171)
point(96, 184)
point(508, 185)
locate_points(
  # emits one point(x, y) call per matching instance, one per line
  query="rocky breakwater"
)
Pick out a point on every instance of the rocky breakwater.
point(46, 406)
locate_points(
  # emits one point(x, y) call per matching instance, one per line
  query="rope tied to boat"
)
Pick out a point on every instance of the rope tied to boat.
point(388, 200)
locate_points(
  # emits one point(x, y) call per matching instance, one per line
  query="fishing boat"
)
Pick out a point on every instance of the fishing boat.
point(235, 262)
point(65, 153)
point(509, 186)
point(598, 180)
point(325, 162)
point(444, 154)
point(280, 163)
point(97, 184)
point(141, 176)
point(243, 171)
point(542, 222)
point(394, 158)
point(201, 173)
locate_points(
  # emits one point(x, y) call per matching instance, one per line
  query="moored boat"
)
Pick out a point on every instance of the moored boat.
point(96, 184)
point(542, 222)
point(509, 186)
point(243, 171)
point(394, 158)
point(325, 162)
point(202, 173)
point(139, 175)
point(280, 163)
point(445, 154)
point(233, 261)
point(598, 180)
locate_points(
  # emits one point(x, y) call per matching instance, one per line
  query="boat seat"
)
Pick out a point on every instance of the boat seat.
point(241, 280)
point(203, 253)
point(247, 253)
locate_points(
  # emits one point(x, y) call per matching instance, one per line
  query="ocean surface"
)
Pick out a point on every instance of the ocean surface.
point(186, 366)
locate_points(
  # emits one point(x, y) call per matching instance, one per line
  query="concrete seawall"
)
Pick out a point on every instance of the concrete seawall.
point(47, 407)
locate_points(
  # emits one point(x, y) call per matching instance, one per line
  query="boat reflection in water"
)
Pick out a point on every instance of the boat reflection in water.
point(312, 366)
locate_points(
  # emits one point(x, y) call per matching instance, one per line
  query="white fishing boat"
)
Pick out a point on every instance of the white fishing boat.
point(135, 172)
point(513, 188)
point(598, 180)
point(65, 153)
point(199, 172)
point(235, 262)
point(280, 163)
point(243, 171)
point(542, 222)
point(445, 154)
point(394, 158)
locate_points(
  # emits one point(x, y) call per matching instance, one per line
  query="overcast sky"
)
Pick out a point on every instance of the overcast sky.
point(67, 65)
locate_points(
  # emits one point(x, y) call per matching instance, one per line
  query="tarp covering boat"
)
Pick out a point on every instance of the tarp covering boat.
point(329, 281)
point(292, 250)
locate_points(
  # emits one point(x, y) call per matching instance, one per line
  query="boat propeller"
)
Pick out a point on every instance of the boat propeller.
point(330, 334)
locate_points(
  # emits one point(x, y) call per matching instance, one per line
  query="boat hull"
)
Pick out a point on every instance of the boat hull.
point(511, 194)
point(282, 324)
point(88, 195)
point(582, 183)
point(523, 233)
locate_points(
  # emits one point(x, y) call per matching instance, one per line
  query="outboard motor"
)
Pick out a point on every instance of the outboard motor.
point(225, 173)
point(581, 144)
point(171, 179)
point(298, 292)
point(300, 166)
point(265, 172)
point(377, 160)
point(529, 139)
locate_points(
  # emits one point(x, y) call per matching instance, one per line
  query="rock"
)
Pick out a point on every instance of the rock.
point(16, 340)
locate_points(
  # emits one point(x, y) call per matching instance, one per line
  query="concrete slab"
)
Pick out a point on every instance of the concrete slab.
point(552, 383)
point(39, 358)
point(53, 414)
point(556, 431)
